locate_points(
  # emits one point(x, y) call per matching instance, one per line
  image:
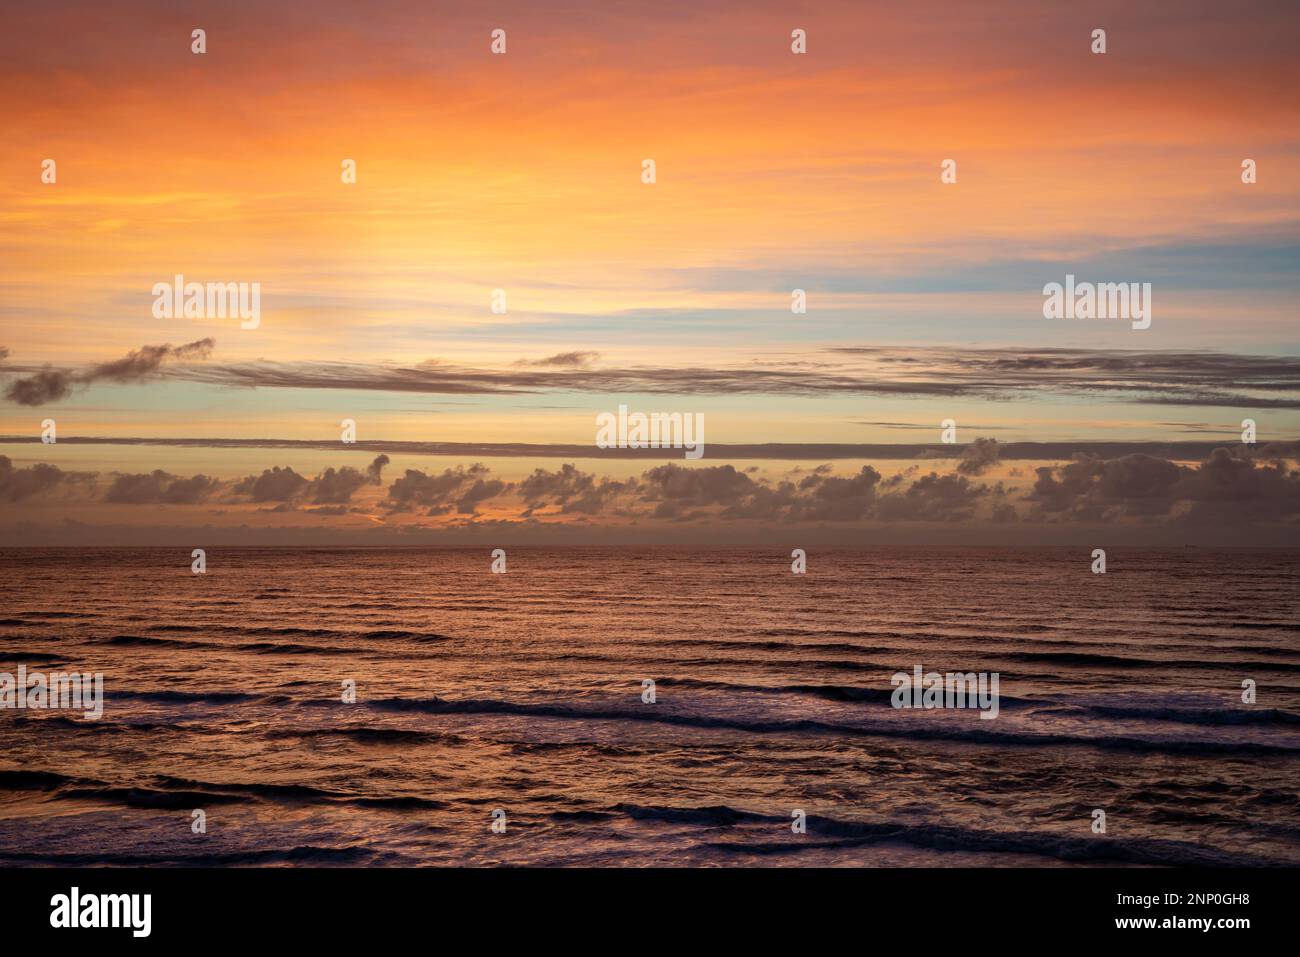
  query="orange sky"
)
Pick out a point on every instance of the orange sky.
point(521, 172)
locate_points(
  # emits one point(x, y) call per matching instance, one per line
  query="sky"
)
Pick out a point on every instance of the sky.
point(522, 172)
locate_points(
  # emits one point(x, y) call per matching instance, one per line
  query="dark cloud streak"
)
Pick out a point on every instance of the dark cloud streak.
point(140, 365)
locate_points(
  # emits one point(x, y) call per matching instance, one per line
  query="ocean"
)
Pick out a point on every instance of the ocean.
point(505, 719)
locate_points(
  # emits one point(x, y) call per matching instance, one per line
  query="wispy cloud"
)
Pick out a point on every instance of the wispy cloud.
point(140, 365)
point(1184, 451)
point(1159, 378)
point(562, 360)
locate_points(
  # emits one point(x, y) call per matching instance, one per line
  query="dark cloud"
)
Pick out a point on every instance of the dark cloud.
point(456, 488)
point(1231, 485)
point(793, 451)
point(48, 385)
point(1004, 513)
point(1091, 488)
point(480, 491)
point(978, 457)
point(160, 488)
point(19, 484)
point(140, 365)
point(1171, 378)
point(451, 380)
point(562, 359)
point(143, 363)
point(273, 485)
point(825, 497)
point(675, 489)
point(571, 489)
point(336, 486)
point(679, 492)
point(1234, 487)
point(934, 498)
point(282, 486)
point(1164, 378)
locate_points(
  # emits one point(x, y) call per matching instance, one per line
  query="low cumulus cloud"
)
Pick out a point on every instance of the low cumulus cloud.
point(275, 484)
point(978, 457)
point(934, 498)
point(140, 365)
point(456, 489)
point(160, 488)
point(571, 490)
point(1232, 484)
point(337, 486)
point(288, 488)
point(1237, 484)
point(282, 488)
point(1240, 485)
point(17, 484)
point(676, 491)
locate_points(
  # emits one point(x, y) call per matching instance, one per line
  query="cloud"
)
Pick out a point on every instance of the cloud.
point(480, 491)
point(934, 498)
point(140, 365)
point(1231, 485)
point(1170, 378)
point(675, 489)
point(562, 359)
point(571, 489)
point(24, 483)
point(160, 488)
point(1164, 378)
point(791, 451)
point(1234, 488)
point(375, 470)
point(284, 486)
point(978, 457)
point(829, 497)
point(456, 488)
point(273, 485)
point(336, 486)
point(48, 385)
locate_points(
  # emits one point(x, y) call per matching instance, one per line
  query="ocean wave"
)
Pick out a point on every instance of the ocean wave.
point(844, 693)
point(290, 648)
point(306, 854)
point(1226, 716)
point(171, 793)
point(184, 697)
point(41, 656)
point(943, 837)
point(142, 797)
point(370, 735)
point(893, 729)
point(1121, 661)
point(145, 641)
